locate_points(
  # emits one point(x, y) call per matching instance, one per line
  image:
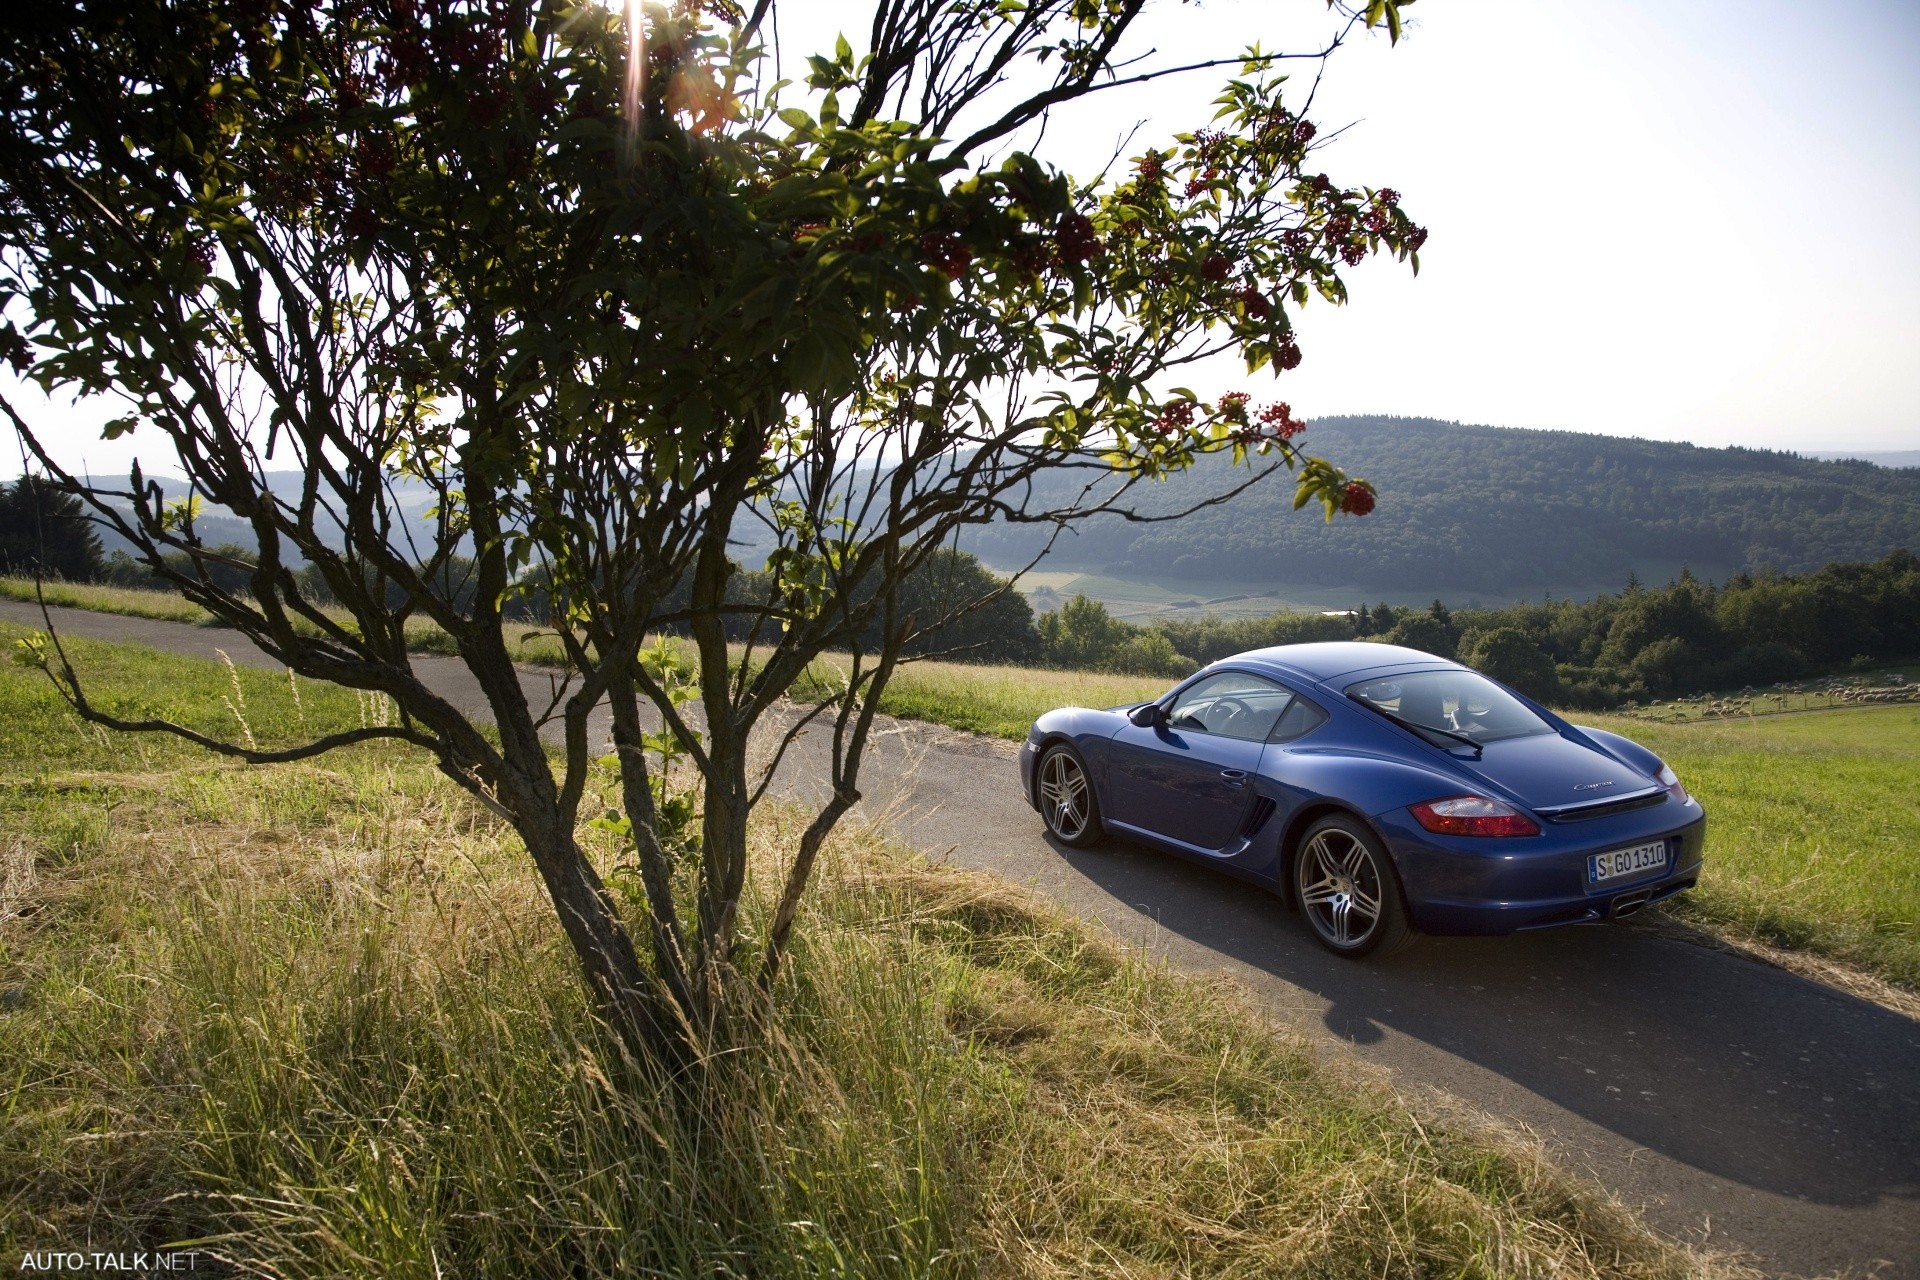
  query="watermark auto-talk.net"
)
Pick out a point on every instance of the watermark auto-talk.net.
point(71, 1261)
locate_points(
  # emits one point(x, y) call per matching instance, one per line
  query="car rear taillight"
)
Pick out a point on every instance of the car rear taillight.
point(1671, 781)
point(1473, 816)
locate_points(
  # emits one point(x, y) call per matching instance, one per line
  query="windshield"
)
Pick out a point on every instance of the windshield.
point(1451, 702)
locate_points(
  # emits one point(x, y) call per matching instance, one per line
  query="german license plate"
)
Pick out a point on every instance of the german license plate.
point(1623, 864)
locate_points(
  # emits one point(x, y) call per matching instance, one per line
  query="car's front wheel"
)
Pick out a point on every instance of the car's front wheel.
point(1067, 801)
point(1346, 887)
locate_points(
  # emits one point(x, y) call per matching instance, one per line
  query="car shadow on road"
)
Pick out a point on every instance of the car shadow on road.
point(1748, 1072)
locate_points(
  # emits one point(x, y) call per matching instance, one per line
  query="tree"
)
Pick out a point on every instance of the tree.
point(964, 611)
point(1081, 634)
point(615, 298)
point(44, 532)
point(1508, 654)
point(1421, 631)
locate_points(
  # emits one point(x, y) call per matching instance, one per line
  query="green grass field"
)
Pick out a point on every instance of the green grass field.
point(317, 1019)
point(1814, 829)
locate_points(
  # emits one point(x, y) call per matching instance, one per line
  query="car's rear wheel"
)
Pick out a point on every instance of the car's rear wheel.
point(1067, 801)
point(1346, 887)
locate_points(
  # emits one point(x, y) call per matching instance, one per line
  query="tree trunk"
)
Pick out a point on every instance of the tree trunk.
point(627, 994)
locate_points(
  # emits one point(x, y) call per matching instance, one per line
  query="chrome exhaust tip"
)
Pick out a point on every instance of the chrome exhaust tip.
point(1628, 904)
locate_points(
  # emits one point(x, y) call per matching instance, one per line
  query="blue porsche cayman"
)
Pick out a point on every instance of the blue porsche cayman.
point(1381, 790)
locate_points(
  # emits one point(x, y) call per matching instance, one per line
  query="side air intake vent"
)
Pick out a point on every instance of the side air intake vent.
point(1262, 810)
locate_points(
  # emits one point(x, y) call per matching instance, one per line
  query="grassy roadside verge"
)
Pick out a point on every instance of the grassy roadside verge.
point(523, 641)
point(319, 1015)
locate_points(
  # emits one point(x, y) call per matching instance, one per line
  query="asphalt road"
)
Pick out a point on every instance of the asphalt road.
point(1736, 1104)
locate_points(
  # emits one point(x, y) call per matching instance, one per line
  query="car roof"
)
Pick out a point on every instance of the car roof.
point(1330, 659)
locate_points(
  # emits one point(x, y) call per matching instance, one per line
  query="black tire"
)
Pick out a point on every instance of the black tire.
point(1067, 801)
point(1346, 887)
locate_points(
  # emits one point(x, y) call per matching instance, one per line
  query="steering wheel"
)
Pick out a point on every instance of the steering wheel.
point(1239, 708)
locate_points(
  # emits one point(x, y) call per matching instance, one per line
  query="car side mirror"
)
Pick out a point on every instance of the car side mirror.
point(1148, 715)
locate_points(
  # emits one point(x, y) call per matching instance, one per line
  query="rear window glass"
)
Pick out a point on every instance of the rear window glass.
point(1298, 720)
point(1456, 702)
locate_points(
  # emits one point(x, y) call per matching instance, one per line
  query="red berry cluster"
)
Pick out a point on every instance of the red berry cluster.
point(1287, 355)
point(1209, 149)
point(1216, 268)
point(1277, 420)
point(1358, 499)
point(540, 96)
point(947, 252)
point(1032, 259)
point(1255, 302)
point(1176, 417)
point(1151, 168)
point(373, 159)
point(293, 179)
point(1074, 238)
point(474, 48)
point(1273, 422)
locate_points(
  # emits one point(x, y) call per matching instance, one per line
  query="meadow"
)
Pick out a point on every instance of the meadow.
point(317, 1020)
point(1814, 841)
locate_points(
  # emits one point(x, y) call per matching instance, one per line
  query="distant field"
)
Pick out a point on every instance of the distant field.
point(1143, 600)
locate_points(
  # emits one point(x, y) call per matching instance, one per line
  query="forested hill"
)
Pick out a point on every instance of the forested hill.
point(1508, 512)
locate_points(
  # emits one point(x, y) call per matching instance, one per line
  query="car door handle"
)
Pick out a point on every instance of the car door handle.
point(1235, 777)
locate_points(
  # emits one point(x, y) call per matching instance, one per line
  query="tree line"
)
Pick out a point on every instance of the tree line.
point(1638, 644)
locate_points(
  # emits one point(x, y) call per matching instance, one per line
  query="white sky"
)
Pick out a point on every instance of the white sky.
point(1692, 220)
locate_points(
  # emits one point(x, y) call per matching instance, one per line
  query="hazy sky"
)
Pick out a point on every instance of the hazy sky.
point(1690, 221)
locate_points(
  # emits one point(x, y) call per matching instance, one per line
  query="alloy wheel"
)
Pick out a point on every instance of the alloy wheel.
point(1341, 889)
point(1065, 795)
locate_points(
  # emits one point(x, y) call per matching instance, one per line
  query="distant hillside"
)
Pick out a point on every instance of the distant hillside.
point(1504, 511)
point(1883, 458)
